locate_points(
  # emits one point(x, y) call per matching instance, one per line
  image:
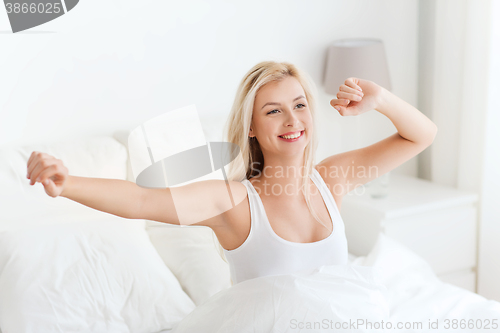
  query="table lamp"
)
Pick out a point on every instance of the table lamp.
point(362, 58)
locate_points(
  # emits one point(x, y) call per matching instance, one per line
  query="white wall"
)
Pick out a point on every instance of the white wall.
point(489, 261)
point(459, 83)
point(112, 64)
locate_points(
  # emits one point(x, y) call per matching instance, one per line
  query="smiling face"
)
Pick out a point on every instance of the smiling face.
point(281, 107)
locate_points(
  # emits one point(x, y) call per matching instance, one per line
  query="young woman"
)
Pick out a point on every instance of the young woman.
point(287, 212)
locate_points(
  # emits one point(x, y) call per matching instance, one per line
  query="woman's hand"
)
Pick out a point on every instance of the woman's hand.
point(357, 96)
point(48, 171)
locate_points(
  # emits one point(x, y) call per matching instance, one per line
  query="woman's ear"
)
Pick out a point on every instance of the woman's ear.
point(250, 134)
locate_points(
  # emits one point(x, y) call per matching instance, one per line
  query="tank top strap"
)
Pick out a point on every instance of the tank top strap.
point(325, 191)
point(256, 210)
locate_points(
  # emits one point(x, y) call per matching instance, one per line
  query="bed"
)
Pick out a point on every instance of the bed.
point(65, 267)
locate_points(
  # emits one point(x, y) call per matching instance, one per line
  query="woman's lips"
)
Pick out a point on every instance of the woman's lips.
point(292, 140)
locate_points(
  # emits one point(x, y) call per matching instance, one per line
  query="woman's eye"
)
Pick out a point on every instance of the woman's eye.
point(272, 112)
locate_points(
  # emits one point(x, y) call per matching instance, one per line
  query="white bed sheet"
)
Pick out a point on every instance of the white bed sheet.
point(391, 284)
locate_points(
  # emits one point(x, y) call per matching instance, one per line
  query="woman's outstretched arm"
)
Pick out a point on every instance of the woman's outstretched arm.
point(194, 204)
point(114, 196)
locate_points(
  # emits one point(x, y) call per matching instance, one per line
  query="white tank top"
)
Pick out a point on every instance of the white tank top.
point(265, 253)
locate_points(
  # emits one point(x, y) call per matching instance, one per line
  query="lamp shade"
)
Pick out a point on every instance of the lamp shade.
point(363, 58)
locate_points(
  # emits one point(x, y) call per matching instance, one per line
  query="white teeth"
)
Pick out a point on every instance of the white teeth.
point(291, 136)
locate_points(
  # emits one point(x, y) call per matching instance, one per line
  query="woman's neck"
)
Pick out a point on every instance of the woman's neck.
point(281, 177)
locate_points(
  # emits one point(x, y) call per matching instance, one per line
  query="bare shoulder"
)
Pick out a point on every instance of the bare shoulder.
point(233, 195)
point(220, 192)
point(234, 224)
point(224, 196)
point(333, 182)
point(202, 203)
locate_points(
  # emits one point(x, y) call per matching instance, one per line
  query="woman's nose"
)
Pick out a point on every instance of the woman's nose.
point(292, 119)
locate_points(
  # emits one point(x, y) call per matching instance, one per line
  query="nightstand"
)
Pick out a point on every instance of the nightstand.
point(437, 222)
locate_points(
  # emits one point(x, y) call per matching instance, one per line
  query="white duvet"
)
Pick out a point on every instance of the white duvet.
point(390, 290)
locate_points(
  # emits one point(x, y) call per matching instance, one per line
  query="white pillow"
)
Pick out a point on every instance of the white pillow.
point(401, 269)
point(100, 275)
point(190, 253)
point(100, 157)
point(394, 258)
point(122, 137)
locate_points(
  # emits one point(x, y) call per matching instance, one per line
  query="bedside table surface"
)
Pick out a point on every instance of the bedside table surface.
point(410, 195)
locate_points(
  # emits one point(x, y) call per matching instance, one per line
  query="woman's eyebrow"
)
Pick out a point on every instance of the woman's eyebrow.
point(274, 103)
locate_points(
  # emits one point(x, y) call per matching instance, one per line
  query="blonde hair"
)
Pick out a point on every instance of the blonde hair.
point(237, 126)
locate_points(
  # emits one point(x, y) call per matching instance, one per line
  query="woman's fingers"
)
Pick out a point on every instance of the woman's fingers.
point(339, 102)
point(30, 163)
point(50, 188)
point(47, 173)
point(47, 170)
point(39, 167)
point(352, 97)
point(348, 89)
point(33, 161)
point(349, 93)
point(340, 105)
point(353, 83)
